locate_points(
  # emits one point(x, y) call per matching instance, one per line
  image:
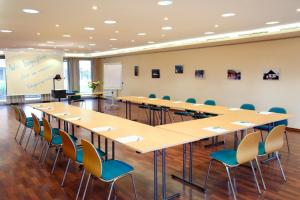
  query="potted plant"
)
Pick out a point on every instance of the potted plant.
point(93, 85)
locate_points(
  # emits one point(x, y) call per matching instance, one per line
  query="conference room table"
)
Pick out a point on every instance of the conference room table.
point(139, 137)
point(98, 95)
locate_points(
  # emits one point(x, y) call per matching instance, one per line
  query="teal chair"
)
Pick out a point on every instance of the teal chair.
point(76, 98)
point(247, 151)
point(146, 107)
point(269, 127)
point(247, 106)
point(186, 112)
point(27, 122)
point(155, 108)
point(208, 102)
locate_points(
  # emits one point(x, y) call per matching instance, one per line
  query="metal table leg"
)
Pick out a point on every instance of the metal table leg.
point(92, 137)
point(106, 149)
point(126, 109)
point(99, 142)
point(129, 110)
point(113, 150)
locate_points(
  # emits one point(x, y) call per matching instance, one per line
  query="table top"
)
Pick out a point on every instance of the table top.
point(121, 128)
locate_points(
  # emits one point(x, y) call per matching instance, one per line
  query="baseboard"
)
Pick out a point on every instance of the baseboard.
point(297, 130)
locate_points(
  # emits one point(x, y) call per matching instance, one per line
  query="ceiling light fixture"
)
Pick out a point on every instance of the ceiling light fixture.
point(66, 35)
point(110, 22)
point(30, 11)
point(95, 7)
point(38, 33)
point(5, 31)
point(151, 42)
point(216, 26)
point(166, 18)
point(113, 39)
point(298, 10)
point(116, 31)
point(132, 40)
point(142, 34)
point(57, 25)
point(80, 47)
point(209, 33)
point(228, 14)
point(90, 37)
point(50, 42)
point(165, 3)
point(167, 28)
point(89, 28)
point(272, 23)
point(92, 44)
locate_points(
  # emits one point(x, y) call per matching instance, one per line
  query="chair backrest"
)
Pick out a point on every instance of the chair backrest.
point(210, 102)
point(91, 159)
point(47, 130)
point(152, 96)
point(274, 140)
point(36, 124)
point(248, 148)
point(68, 145)
point(247, 106)
point(166, 97)
point(23, 117)
point(17, 112)
point(191, 100)
point(279, 110)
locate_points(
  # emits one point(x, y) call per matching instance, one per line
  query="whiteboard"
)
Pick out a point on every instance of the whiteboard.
point(32, 71)
point(112, 78)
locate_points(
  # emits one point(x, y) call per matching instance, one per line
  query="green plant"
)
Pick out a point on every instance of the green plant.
point(93, 85)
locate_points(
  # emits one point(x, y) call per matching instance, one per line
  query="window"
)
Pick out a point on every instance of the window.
point(66, 75)
point(85, 75)
point(2, 80)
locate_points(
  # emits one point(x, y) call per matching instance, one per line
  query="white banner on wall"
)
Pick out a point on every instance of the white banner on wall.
point(32, 72)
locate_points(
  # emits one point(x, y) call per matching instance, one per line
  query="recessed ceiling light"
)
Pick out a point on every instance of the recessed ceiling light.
point(38, 33)
point(116, 31)
point(216, 26)
point(166, 18)
point(165, 3)
point(163, 35)
point(89, 28)
point(151, 42)
point(66, 35)
point(5, 31)
point(298, 10)
point(66, 49)
point(30, 48)
point(90, 37)
point(110, 22)
point(113, 39)
point(114, 48)
point(272, 23)
point(92, 44)
point(57, 25)
point(95, 7)
point(30, 11)
point(50, 42)
point(228, 14)
point(142, 34)
point(209, 33)
point(167, 28)
point(132, 40)
point(80, 47)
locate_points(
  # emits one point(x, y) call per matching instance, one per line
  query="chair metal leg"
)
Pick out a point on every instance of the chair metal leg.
point(22, 136)
point(35, 145)
point(86, 186)
point(46, 153)
point(17, 131)
point(230, 182)
point(261, 176)
point(133, 184)
point(280, 166)
point(181, 117)
point(207, 175)
point(65, 174)
point(111, 188)
point(80, 184)
point(146, 110)
point(42, 151)
point(28, 139)
point(261, 135)
point(55, 161)
point(255, 178)
point(287, 141)
point(171, 121)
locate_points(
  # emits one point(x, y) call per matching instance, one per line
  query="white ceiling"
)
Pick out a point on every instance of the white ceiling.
point(189, 19)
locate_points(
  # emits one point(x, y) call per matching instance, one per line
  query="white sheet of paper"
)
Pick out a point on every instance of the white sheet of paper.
point(152, 98)
point(241, 123)
point(177, 101)
point(46, 108)
point(128, 139)
point(60, 114)
point(198, 104)
point(215, 129)
point(265, 113)
point(141, 97)
point(102, 129)
point(73, 118)
point(234, 109)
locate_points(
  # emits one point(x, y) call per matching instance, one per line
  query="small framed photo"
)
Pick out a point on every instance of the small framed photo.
point(178, 69)
point(233, 74)
point(271, 74)
point(155, 73)
point(199, 74)
point(136, 70)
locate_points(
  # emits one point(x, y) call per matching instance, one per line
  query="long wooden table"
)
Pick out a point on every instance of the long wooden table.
point(120, 129)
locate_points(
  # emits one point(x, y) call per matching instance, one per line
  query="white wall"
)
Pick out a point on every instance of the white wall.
point(251, 59)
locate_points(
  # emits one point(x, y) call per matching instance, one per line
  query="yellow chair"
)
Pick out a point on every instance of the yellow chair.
point(52, 140)
point(273, 143)
point(27, 123)
point(17, 117)
point(37, 131)
point(247, 151)
point(107, 171)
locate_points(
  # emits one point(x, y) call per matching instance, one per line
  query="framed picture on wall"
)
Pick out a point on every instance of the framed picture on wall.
point(271, 74)
point(199, 74)
point(155, 73)
point(233, 74)
point(178, 69)
point(136, 70)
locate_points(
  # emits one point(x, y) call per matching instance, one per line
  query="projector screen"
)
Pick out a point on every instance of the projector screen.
point(32, 72)
point(112, 78)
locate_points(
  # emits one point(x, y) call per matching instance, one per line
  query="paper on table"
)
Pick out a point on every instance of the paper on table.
point(234, 109)
point(128, 139)
point(73, 118)
point(198, 104)
point(152, 98)
point(141, 97)
point(215, 129)
point(241, 123)
point(102, 129)
point(46, 108)
point(38, 105)
point(61, 114)
point(265, 113)
point(177, 101)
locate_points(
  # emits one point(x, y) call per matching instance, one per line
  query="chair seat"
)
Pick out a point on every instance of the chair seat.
point(261, 149)
point(112, 169)
point(267, 128)
point(200, 116)
point(79, 154)
point(226, 156)
point(143, 106)
point(56, 140)
point(185, 113)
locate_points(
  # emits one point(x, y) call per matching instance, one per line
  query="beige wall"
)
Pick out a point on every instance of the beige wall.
point(251, 59)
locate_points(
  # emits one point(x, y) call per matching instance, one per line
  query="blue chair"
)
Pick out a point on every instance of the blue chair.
point(208, 102)
point(107, 171)
point(186, 112)
point(269, 127)
point(145, 107)
point(155, 108)
point(247, 106)
point(247, 151)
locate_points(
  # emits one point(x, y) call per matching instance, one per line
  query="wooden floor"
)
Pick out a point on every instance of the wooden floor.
point(22, 177)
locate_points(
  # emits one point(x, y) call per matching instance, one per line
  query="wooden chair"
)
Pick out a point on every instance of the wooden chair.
point(18, 118)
